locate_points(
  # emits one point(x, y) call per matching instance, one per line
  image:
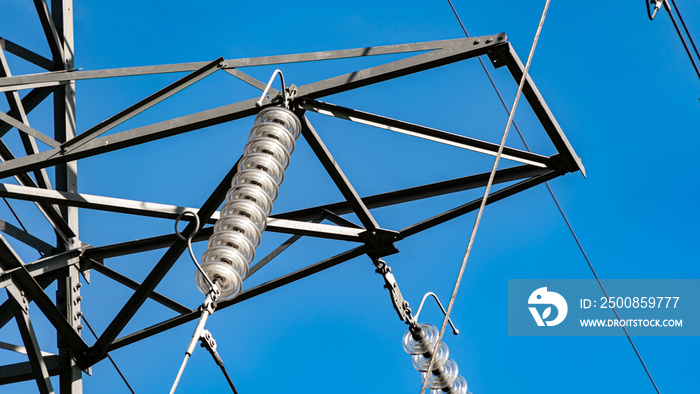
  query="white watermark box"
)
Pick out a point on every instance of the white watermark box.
point(651, 307)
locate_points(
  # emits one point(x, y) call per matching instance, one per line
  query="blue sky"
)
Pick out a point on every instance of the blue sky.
point(621, 87)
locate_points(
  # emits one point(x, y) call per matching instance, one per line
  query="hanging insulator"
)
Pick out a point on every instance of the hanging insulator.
point(444, 377)
point(231, 248)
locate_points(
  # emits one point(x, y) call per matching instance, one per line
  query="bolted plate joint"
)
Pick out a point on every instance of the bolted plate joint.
point(380, 242)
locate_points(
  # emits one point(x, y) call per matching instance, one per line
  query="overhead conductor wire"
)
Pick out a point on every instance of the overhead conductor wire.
point(486, 193)
point(680, 35)
point(561, 211)
point(657, 5)
point(687, 32)
point(119, 371)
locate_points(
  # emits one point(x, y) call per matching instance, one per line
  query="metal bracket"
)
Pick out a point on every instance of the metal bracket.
point(380, 242)
point(209, 343)
point(499, 57)
point(400, 305)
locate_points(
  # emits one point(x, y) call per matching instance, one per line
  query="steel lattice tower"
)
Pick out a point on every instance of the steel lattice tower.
point(66, 258)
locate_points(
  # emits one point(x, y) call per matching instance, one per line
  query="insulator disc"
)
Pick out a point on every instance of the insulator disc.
point(228, 256)
point(239, 223)
point(282, 116)
point(259, 179)
point(275, 132)
point(251, 193)
point(459, 386)
point(448, 373)
point(247, 209)
point(271, 147)
point(427, 344)
point(263, 162)
point(422, 363)
point(225, 277)
point(233, 240)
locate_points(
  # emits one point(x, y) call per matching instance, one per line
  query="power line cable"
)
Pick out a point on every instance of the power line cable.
point(488, 74)
point(583, 252)
point(15, 214)
point(561, 211)
point(108, 356)
point(680, 35)
point(486, 193)
point(687, 32)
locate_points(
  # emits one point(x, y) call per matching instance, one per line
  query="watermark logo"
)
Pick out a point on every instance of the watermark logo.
point(543, 297)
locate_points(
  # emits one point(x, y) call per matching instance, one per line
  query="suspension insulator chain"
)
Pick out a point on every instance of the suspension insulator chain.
point(420, 340)
point(237, 233)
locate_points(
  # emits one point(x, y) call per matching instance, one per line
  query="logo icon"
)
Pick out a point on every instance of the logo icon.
point(543, 297)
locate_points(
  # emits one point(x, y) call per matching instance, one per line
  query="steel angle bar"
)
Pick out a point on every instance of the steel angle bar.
point(141, 245)
point(132, 284)
point(250, 80)
point(49, 212)
point(22, 81)
point(337, 175)
point(89, 201)
point(244, 295)
point(26, 238)
point(42, 178)
point(50, 31)
point(26, 54)
point(506, 55)
point(474, 204)
point(418, 192)
point(153, 243)
point(100, 348)
point(43, 280)
point(132, 137)
point(21, 372)
point(344, 53)
point(165, 211)
point(314, 229)
point(24, 281)
point(464, 49)
point(28, 130)
point(20, 349)
point(42, 266)
point(144, 104)
point(276, 252)
point(29, 102)
point(36, 359)
point(39, 85)
point(339, 220)
point(426, 133)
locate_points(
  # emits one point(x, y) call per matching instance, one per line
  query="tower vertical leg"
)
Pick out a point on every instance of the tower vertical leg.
point(68, 293)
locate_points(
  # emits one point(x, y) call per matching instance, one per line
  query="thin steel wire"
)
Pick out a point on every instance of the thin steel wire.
point(228, 378)
point(561, 210)
point(119, 371)
point(488, 74)
point(583, 252)
point(486, 193)
point(680, 35)
point(15, 215)
point(687, 32)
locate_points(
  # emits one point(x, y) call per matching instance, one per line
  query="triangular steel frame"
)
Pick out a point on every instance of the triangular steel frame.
point(26, 282)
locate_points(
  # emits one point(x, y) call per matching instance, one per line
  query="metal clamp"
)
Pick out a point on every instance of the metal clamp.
point(400, 304)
